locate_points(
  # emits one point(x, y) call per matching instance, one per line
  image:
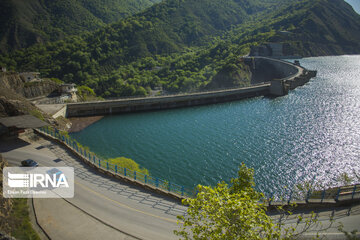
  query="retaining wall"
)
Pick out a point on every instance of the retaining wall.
point(133, 181)
point(268, 69)
point(61, 112)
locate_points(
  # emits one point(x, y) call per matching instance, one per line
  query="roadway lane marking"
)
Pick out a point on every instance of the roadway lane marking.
point(125, 206)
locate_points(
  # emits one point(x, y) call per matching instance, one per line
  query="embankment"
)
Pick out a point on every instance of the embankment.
point(271, 76)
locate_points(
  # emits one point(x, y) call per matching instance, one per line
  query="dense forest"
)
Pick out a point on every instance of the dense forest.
point(190, 45)
point(26, 22)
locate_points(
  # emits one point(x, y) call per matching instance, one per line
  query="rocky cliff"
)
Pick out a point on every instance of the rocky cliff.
point(37, 89)
point(13, 103)
point(11, 81)
point(27, 89)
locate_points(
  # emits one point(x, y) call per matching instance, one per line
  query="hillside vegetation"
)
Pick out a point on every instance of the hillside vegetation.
point(318, 27)
point(190, 45)
point(26, 22)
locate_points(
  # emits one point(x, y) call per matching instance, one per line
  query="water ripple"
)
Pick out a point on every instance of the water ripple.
point(313, 134)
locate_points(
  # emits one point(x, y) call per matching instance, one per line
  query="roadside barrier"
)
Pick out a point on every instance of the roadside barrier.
point(349, 193)
point(92, 159)
point(330, 195)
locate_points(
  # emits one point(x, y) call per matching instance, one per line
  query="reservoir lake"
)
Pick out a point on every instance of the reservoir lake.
point(312, 134)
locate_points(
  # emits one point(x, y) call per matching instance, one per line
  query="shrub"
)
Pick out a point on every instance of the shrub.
point(128, 164)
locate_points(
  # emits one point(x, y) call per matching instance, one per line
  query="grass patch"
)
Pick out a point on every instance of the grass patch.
point(21, 227)
point(128, 164)
point(36, 113)
point(56, 80)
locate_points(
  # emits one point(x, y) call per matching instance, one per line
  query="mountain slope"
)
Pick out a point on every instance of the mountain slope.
point(318, 27)
point(25, 22)
point(176, 45)
point(165, 28)
point(176, 24)
point(338, 30)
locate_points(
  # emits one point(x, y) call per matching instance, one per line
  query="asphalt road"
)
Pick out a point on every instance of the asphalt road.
point(105, 208)
point(102, 207)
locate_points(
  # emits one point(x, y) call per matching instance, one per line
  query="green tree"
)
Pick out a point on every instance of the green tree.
point(235, 212)
point(345, 179)
point(224, 212)
point(85, 93)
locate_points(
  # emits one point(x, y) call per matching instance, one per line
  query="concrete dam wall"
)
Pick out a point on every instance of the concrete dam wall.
point(165, 102)
point(271, 76)
point(268, 69)
point(282, 75)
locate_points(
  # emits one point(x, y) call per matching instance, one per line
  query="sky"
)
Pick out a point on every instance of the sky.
point(355, 4)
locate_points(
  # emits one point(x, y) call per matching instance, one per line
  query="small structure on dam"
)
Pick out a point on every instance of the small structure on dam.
point(278, 88)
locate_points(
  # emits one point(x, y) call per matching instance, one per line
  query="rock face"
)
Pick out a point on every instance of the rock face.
point(37, 89)
point(10, 107)
point(27, 89)
point(13, 103)
point(11, 81)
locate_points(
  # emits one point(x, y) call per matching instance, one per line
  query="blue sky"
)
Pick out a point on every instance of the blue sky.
point(355, 4)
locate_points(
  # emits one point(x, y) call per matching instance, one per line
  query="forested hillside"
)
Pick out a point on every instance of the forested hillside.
point(188, 45)
point(318, 27)
point(26, 22)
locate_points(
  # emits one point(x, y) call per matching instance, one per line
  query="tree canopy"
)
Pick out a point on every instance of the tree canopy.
point(236, 212)
point(228, 212)
point(188, 45)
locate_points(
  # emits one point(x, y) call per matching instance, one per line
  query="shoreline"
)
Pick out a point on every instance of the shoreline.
point(80, 123)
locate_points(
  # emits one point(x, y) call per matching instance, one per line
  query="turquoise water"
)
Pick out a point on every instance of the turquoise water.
point(311, 134)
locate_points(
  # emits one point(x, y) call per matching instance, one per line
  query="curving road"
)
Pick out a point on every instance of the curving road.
point(105, 208)
point(102, 208)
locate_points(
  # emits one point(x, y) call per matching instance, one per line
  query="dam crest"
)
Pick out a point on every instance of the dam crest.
point(270, 77)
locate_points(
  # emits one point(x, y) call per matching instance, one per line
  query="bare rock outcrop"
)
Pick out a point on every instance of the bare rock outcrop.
point(27, 89)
